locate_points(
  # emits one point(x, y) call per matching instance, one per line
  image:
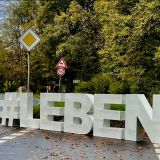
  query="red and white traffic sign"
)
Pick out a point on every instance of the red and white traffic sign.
point(61, 71)
point(61, 64)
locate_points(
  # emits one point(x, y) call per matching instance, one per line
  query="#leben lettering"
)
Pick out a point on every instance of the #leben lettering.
point(85, 112)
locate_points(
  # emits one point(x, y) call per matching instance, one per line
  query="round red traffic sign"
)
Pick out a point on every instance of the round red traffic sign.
point(61, 71)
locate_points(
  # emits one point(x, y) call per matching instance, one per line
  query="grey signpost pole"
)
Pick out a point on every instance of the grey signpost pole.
point(28, 78)
point(59, 90)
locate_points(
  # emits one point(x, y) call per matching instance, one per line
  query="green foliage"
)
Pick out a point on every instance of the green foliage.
point(77, 39)
point(36, 95)
point(111, 46)
point(131, 42)
point(84, 87)
point(98, 84)
point(10, 86)
point(118, 87)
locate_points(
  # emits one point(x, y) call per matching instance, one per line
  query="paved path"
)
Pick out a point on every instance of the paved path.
point(28, 144)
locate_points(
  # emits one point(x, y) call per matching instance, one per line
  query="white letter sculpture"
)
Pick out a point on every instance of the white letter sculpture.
point(1, 108)
point(26, 111)
point(11, 109)
point(102, 116)
point(78, 114)
point(48, 111)
point(137, 107)
point(77, 110)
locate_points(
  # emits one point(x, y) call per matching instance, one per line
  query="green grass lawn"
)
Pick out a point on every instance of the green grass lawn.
point(36, 95)
point(119, 107)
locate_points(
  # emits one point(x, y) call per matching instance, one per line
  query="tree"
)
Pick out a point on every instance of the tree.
point(21, 15)
point(114, 42)
point(131, 42)
point(76, 36)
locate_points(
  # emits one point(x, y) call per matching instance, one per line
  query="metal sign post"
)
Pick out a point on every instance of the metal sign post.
point(29, 40)
point(59, 90)
point(28, 88)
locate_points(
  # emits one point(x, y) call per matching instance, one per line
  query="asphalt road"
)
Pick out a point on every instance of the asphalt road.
point(28, 144)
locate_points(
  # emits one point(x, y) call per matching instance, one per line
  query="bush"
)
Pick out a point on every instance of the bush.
point(10, 86)
point(98, 84)
point(103, 83)
point(118, 87)
point(84, 87)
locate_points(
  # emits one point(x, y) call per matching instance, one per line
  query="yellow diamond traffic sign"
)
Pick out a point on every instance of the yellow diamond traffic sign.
point(29, 39)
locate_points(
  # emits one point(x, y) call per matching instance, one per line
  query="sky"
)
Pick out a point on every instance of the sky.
point(2, 9)
point(3, 5)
